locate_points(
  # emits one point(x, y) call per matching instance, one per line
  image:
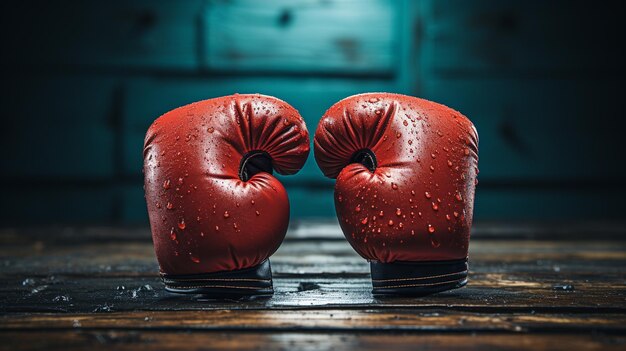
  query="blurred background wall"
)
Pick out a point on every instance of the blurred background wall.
point(82, 81)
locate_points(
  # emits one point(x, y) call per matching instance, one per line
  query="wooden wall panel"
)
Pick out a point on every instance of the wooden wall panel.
point(577, 203)
point(135, 34)
point(27, 205)
point(541, 80)
point(349, 36)
point(520, 37)
point(538, 130)
point(60, 126)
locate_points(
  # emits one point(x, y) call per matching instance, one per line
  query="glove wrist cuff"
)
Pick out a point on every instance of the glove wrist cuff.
point(251, 281)
point(417, 278)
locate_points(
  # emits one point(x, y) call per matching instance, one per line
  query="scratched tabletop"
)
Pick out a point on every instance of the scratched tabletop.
point(531, 286)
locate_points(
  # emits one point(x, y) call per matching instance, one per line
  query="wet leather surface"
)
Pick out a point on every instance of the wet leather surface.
point(203, 217)
point(417, 204)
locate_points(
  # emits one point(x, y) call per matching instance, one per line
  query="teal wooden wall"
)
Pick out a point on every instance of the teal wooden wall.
point(542, 81)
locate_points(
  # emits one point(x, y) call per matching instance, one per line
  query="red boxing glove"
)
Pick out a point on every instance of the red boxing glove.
point(406, 172)
point(216, 212)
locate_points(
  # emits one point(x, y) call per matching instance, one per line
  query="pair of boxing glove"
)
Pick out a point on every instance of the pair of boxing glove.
point(405, 171)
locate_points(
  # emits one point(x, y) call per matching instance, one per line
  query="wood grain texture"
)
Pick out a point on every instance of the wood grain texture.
point(76, 288)
point(538, 129)
point(61, 124)
point(298, 257)
point(335, 320)
point(485, 292)
point(541, 80)
point(501, 38)
point(308, 36)
point(135, 35)
point(175, 340)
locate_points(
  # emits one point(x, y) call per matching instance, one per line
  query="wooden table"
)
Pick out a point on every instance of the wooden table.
point(531, 287)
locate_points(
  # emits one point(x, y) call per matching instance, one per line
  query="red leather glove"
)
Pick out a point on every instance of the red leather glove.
point(406, 172)
point(216, 211)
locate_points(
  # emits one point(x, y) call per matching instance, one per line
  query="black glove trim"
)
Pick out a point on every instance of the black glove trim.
point(244, 282)
point(418, 278)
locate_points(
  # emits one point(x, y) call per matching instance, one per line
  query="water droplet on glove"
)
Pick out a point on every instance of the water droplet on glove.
point(173, 234)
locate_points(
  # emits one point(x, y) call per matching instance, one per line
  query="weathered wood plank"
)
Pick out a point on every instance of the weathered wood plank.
point(164, 340)
point(328, 320)
point(308, 36)
point(508, 37)
point(531, 136)
point(101, 290)
point(504, 292)
point(60, 123)
point(137, 34)
point(309, 257)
